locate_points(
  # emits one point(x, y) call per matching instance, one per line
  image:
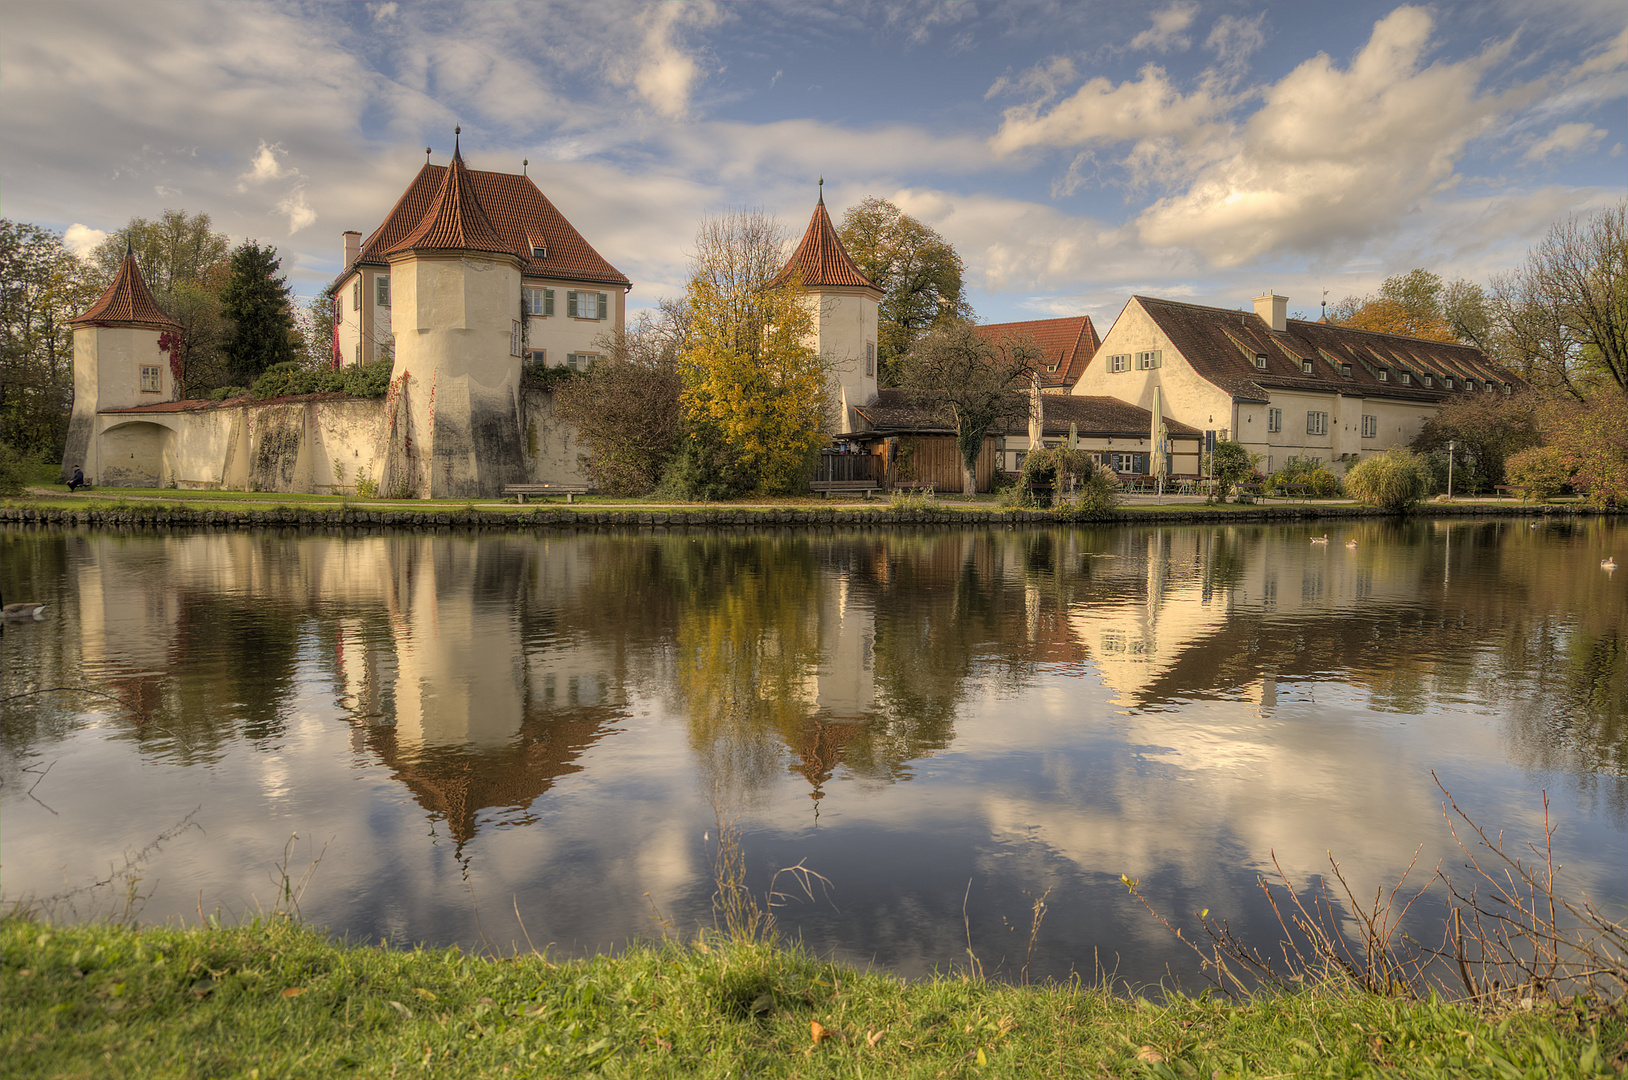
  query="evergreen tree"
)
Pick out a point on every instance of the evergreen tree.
point(257, 301)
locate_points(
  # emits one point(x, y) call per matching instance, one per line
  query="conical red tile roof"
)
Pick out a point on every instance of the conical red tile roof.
point(126, 301)
point(455, 218)
point(821, 259)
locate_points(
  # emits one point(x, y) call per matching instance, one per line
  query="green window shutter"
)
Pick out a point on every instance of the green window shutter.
point(548, 301)
point(571, 304)
point(604, 305)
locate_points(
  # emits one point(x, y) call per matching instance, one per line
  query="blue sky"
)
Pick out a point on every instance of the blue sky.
point(1074, 153)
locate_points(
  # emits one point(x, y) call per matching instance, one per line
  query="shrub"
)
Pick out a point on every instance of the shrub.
point(1047, 471)
point(1592, 437)
point(1098, 496)
point(1320, 483)
point(1230, 464)
point(289, 378)
point(1395, 480)
point(905, 502)
point(15, 467)
point(226, 392)
point(1538, 472)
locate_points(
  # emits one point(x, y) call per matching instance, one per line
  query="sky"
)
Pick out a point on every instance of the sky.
point(1074, 153)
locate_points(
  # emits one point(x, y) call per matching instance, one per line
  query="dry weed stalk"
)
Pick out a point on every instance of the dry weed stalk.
point(1508, 939)
point(744, 917)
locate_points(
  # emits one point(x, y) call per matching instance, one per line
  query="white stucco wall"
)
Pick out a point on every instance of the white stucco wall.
point(559, 334)
point(1188, 397)
point(845, 321)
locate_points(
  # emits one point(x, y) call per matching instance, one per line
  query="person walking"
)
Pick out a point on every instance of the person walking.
point(77, 480)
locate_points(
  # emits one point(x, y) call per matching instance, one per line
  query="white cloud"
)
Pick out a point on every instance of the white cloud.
point(1166, 32)
point(665, 74)
point(82, 239)
point(1147, 108)
point(1235, 39)
point(298, 211)
point(265, 166)
point(1566, 139)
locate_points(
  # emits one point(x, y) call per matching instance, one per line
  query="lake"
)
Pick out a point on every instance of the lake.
point(491, 739)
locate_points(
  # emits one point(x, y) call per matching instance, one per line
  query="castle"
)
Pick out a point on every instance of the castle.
point(471, 276)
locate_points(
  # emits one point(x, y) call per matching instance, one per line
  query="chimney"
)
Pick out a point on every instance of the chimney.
point(1273, 310)
point(353, 248)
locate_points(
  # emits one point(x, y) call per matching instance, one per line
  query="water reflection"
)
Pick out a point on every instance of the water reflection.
point(1030, 709)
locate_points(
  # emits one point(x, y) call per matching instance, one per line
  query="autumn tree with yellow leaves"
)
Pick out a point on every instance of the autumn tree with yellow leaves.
point(752, 380)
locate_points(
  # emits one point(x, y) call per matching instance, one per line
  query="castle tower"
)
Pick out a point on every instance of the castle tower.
point(456, 319)
point(120, 360)
point(845, 313)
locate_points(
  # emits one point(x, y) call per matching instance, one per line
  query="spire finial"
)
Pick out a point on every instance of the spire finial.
point(523, 163)
point(822, 191)
point(426, 155)
point(129, 248)
point(457, 129)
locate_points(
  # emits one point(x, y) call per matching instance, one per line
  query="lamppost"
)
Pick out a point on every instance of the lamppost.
point(1450, 448)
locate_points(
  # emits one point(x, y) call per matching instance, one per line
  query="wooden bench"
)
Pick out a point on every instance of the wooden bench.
point(1504, 491)
point(520, 491)
point(865, 488)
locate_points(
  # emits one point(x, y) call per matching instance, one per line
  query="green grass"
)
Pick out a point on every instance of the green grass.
point(275, 999)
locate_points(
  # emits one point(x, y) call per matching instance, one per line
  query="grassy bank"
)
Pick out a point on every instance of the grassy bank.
point(274, 999)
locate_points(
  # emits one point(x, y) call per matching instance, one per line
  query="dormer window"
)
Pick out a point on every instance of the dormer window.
point(538, 251)
point(1469, 384)
point(1384, 375)
point(1407, 378)
point(1305, 367)
point(1487, 386)
point(1508, 389)
point(1260, 361)
point(1447, 381)
point(1345, 370)
point(1429, 380)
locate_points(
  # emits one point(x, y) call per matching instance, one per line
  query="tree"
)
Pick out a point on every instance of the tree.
point(257, 301)
point(42, 286)
point(1561, 318)
point(1539, 473)
point(1488, 428)
point(626, 407)
point(917, 270)
point(314, 322)
point(1592, 437)
point(748, 370)
point(976, 386)
point(1409, 304)
point(177, 249)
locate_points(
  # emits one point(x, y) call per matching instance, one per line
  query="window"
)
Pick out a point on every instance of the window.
point(1447, 381)
point(381, 290)
point(1317, 423)
point(586, 305)
point(1469, 384)
point(1384, 375)
point(149, 379)
point(539, 301)
point(1345, 370)
point(1260, 361)
point(1119, 362)
point(1370, 427)
point(1487, 386)
point(356, 294)
point(1508, 389)
point(1147, 360)
point(539, 357)
point(870, 359)
point(1305, 367)
point(538, 251)
point(1430, 380)
point(580, 361)
point(1407, 378)
point(1125, 463)
point(1274, 419)
point(514, 338)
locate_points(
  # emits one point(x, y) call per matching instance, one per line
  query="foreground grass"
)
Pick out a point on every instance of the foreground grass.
point(274, 999)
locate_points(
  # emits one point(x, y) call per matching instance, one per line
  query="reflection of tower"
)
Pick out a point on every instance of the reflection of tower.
point(843, 688)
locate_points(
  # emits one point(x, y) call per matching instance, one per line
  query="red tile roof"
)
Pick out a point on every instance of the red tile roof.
point(896, 411)
point(821, 259)
point(1221, 345)
point(455, 218)
point(126, 301)
point(1066, 346)
point(513, 206)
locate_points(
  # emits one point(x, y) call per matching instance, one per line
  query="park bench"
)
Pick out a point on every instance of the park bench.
point(1504, 491)
point(520, 491)
point(864, 488)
